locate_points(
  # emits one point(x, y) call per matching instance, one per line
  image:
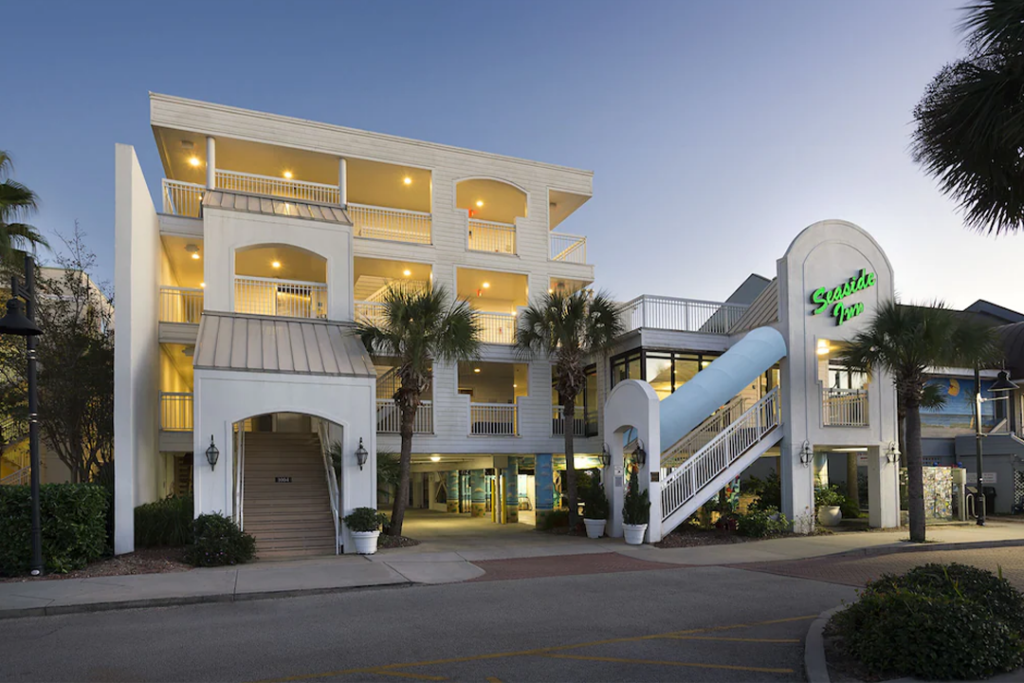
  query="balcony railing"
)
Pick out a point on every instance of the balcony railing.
point(370, 312)
point(299, 190)
point(286, 298)
point(683, 315)
point(175, 412)
point(393, 225)
point(496, 328)
point(182, 199)
point(181, 304)
point(499, 238)
point(579, 422)
point(568, 248)
point(844, 407)
point(493, 419)
point(389, 417)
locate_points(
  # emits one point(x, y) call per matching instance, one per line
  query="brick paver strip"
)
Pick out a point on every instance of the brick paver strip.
point(564, 565)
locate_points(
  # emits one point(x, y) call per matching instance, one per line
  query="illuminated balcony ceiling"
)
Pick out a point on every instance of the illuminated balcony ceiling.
point(186, 270)
point(292, 263)
point(506, 289)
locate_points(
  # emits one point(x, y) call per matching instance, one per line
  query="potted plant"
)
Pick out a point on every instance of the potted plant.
point(636, 512)
point(364, 525)
point(828, 500)
point(595, 510)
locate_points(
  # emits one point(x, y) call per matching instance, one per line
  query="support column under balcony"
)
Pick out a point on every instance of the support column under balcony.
point(343, 181)
point(211, 163)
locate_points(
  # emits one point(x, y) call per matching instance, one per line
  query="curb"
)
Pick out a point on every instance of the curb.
point(187, 600)
point(815, 666)
point(876, 551)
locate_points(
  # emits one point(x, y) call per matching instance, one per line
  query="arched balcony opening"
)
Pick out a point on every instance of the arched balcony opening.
point(492, 207)
point(280, 280)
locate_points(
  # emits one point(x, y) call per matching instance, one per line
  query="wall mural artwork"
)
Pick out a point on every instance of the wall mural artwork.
point(825, 298)
point(957, 413)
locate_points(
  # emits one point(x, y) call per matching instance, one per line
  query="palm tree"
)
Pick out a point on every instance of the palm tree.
point(417, 328)
point(566, 329)
point(905, 341)
point(16, 202)
point(970, 121)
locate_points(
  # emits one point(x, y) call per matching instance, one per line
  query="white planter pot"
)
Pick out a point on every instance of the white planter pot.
point(366, 541)
point(829, 515)
point(634, 533)
point(595, 527)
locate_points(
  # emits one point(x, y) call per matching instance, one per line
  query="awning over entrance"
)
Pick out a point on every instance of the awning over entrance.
point(233, 341)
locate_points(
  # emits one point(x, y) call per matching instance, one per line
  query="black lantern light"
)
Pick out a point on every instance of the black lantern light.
point(361, 454)
point(640, 455)
point(212, 454)
point(1002, 382)
point(16, 323)
point(892, 454)
point(606, 457)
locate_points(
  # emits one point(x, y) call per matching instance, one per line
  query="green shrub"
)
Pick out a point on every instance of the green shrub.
point(164, 523)
point(768, 490)
point(595, 502)
point(849, 508)
point(556, 519)
point(365, 519)
point(828, 496)
point(74, 526)
point(218, 541)
point(636, 509)
point(764, 523)
point(936, 622)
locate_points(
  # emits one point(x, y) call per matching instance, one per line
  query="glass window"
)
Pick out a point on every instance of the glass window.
point(659, 373)
point(686, 369)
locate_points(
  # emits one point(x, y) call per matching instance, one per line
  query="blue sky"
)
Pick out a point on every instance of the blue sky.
point(716, 131)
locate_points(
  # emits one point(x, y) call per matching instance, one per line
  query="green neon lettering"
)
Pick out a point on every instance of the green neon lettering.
point(824, 298)
point(819, 298)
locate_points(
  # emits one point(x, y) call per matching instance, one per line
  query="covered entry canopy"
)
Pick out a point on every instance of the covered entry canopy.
point(235, 341)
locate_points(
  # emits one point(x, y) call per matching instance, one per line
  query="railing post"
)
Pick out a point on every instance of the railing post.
point(211, 163)
point(342, 180)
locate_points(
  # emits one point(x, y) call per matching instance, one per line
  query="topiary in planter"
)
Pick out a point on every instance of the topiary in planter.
point(218, 541)
point(937, 622)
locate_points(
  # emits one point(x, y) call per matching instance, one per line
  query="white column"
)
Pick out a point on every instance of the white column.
point(883, 490)
point(211, 163)
point(614, 485)
point(343, 180)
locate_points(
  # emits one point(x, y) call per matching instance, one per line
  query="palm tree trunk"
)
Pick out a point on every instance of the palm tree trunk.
point(915, 474)
point(568, 414)
point(408, 408)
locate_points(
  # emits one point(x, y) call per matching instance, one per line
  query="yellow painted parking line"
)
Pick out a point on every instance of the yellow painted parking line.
point(737, 640)
point(492, 679)
point(403, 674)
point(661, 662)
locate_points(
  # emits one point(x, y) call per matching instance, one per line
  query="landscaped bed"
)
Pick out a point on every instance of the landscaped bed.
point(384, 542)
point(145, 561)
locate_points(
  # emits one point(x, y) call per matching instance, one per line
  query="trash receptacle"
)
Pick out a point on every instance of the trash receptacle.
point(990, 499)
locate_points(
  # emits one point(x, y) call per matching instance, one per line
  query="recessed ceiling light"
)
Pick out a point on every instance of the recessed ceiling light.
point(194, 162)
point(515, 386)
point(202, 284)
point(407, 180)
point(407, 272)
point(276, 264)
point(487, 285)
point(193, 251)
point(195, 255)
point(476, 370)
point(480, 203)
point(288, 175)
point(435, 458)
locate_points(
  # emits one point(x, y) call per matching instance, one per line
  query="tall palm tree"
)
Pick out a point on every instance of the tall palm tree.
point(16, 202)
point(417, 328)
point(566, 329)
point(970, 121)
point(905, 341)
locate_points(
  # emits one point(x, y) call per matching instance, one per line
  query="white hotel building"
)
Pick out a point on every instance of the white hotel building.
point(239, 289)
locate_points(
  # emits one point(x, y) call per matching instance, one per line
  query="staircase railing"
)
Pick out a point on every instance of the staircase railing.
point(332, 481)
point(18, 478)
point(240, 475)
point(700, 469)
point(702, 434)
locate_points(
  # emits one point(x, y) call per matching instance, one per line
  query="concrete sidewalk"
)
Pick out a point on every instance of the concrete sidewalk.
point(431, 563)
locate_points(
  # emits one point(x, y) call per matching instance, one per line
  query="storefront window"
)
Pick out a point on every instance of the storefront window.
point(659, 373)
point(665, 371)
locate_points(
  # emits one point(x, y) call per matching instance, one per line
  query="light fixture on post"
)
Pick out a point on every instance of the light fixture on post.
point(361, 454)
point(640, 455)
point(212, 454)
point(892, 453)
point(1002, 386)
point(806, 454)
point(606, 457)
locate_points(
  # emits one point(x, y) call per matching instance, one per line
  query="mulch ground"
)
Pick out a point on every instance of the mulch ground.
point(692, 538)
point(384, 542)
point(148, 561)
point(564, 565)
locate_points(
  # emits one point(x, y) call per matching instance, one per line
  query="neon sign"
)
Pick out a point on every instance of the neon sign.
point(833, 298)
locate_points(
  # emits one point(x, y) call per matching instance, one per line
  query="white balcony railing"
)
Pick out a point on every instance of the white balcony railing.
point(844, 407)
point(175, 412)
point(568, 248)
point(181, 304)
point(579, 422)
point(683, 315)
point(499, 238)
point(496, 328)
point(394, 225)
point(286, 298)
point(299, 190)
point(389, 417)
point(493, 419)
point(182, 199)
point(371, 312)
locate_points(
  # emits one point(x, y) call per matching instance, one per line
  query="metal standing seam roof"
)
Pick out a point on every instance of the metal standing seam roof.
point(275, 206)
point(233, 341)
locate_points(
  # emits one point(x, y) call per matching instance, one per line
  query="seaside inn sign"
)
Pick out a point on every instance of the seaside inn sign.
point(825, 298)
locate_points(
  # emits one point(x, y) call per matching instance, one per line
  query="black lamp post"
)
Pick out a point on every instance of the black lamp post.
point(1002, 385)
point(23, 325)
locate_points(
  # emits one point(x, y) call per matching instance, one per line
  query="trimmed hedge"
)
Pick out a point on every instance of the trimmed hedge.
point(937, 622)
point(74, 526)
point(218, 541)
point(164, 523)
point(764, 522)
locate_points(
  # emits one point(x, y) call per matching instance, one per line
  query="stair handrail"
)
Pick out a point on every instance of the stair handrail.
point(691, 442)
point(17, 478)
point(332, 480)
point(697, 471)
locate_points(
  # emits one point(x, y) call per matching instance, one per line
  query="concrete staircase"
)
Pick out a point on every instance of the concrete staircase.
point(287, 518)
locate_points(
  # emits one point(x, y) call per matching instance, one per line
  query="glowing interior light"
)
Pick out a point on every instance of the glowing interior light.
point(194, 162)
point(407, 272)
point(202, 284)
point(435, 458)
point(407, 180)
point(487, 285)
point(288, 175)
point(476, 370)
point(823, 347)
point(479, 203)
point(276, 264)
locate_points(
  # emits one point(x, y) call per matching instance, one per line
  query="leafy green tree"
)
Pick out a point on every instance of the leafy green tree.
point(970, 121)
point(16, 203)
point(567, 329)
point(415, 329)
point(905, 341)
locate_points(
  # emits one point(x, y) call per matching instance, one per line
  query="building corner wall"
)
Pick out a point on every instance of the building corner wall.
point(136, 351)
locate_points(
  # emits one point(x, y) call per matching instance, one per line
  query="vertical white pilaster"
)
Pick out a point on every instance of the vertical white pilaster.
point(883, 490)
point(343, 180)
point(211, 163)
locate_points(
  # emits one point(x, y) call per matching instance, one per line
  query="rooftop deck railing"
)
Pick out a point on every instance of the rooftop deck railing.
point(682, 315)
point(182, 199)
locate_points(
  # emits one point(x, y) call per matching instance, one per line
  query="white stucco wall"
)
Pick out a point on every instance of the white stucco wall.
point(136, 353)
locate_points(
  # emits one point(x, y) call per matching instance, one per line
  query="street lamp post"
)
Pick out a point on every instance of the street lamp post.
point(1000, 386)
point(24, 325)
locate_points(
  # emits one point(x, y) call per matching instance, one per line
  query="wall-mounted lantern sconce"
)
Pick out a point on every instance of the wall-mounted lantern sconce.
point(212, 454)
point(640, 455)
point(892, 454)
point(806, 454)
point(606, 457)
point(361, 454)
